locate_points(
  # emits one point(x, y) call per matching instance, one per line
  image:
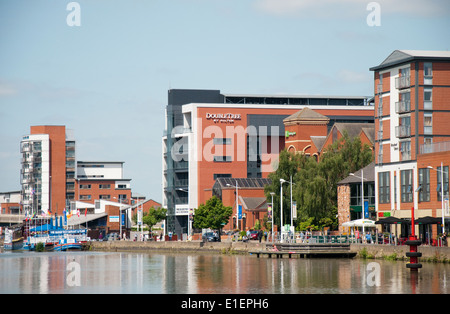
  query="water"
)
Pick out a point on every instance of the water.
point(123, 273)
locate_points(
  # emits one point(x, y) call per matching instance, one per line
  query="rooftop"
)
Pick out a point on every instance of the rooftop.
point(398, 57)
point(253, 183)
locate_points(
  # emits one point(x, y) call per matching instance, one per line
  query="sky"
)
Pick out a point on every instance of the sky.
point(103, 68)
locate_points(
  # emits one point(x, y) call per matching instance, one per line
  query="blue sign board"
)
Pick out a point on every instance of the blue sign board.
point(366, 209)
point(240, 211)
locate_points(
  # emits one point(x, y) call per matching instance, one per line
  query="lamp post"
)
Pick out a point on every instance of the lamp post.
point(120, 215)
point(281, 206)
point(237, 206)
point(442, 193)
point(362, 191)
point(272, 194)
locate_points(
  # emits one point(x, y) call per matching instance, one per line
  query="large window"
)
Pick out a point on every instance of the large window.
point(383, 187)
point(424, 183)
point(427, 123)
point(438, 189)
point(406, 179)
point(427, 98)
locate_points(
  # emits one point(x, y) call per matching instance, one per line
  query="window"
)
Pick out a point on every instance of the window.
point(105, 197)
point(85, 186)
point(222, 141)
point(424, 183)
point(427, 73)
point(222, 158)
point(383, 187)
point(438, 189)
point(405, 150)
point(104, 186)
point(222, 175)
point(428, 123)
point(406, 186)
point(427, 98)
point(85, 197)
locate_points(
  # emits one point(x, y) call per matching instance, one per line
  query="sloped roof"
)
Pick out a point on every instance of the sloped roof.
point(368, 175)
point(254, 203)
point(306, 115)
point(318, 141)
point(251, 183)
point(354, 129)
point(404, 56)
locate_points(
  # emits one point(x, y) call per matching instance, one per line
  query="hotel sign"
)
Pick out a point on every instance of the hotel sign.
point(223, 117)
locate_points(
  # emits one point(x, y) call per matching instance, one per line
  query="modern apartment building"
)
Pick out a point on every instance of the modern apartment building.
point(100, 180)
point(210, 135)
point(47, 169)
point(412, 114)
point(52, 180)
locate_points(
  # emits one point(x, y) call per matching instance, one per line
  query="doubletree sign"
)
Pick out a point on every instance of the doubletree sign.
point(287, 133)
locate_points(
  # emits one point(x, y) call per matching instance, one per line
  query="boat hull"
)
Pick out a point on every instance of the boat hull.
point(68, 247)
point(14, 245)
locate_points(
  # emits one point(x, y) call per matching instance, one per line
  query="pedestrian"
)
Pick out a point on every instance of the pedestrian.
point(260, 235)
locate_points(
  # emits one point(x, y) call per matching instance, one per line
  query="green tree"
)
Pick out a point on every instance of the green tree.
point(153, 216)
point(212, 215)
point(316, 182)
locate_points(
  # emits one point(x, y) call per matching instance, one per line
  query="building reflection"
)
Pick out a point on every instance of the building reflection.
point(209, 273)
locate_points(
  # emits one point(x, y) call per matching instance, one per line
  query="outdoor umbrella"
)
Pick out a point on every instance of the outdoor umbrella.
point(428, 220)
point(390, 220)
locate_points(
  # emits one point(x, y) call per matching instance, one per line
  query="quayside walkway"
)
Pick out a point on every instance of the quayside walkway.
point(323, 250)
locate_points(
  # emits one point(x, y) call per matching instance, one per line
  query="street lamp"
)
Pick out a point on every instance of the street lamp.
point(120, 215)
point(281, 205)
point(272, 194)
point(237, 206)
point(281, 197)
point(362, 191)
point(442, 193)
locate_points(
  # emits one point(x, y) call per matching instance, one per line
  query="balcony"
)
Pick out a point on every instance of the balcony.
point(403, 106)
point(402, 82)
point(403, 131)
point(435, 147)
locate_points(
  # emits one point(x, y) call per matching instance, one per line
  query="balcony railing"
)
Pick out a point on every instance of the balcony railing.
point(435, 147)
point(403, 131)
point(403, 106)
point(402, 82)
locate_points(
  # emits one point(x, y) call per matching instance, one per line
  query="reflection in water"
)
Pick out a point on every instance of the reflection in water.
point(31, 272)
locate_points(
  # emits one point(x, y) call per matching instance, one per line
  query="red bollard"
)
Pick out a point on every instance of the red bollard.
point(413, 243)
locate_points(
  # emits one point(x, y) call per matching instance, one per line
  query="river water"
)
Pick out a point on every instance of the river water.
point(123, 273)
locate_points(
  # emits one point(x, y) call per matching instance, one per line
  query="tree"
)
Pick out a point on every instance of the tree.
point(153, 216)
point(212, 215)
point(316, 182)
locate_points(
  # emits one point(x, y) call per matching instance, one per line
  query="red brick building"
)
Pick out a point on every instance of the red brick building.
point(412, 111)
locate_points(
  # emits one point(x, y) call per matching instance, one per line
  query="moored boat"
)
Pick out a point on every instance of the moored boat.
point(13, 239)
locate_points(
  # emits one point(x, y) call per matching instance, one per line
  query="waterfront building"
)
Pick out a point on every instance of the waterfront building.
point(47, 173)
point(10, 203)
point(210, 135)
point(412, 111)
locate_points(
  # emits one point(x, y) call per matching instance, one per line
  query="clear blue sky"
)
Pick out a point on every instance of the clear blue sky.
point(108, 78)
